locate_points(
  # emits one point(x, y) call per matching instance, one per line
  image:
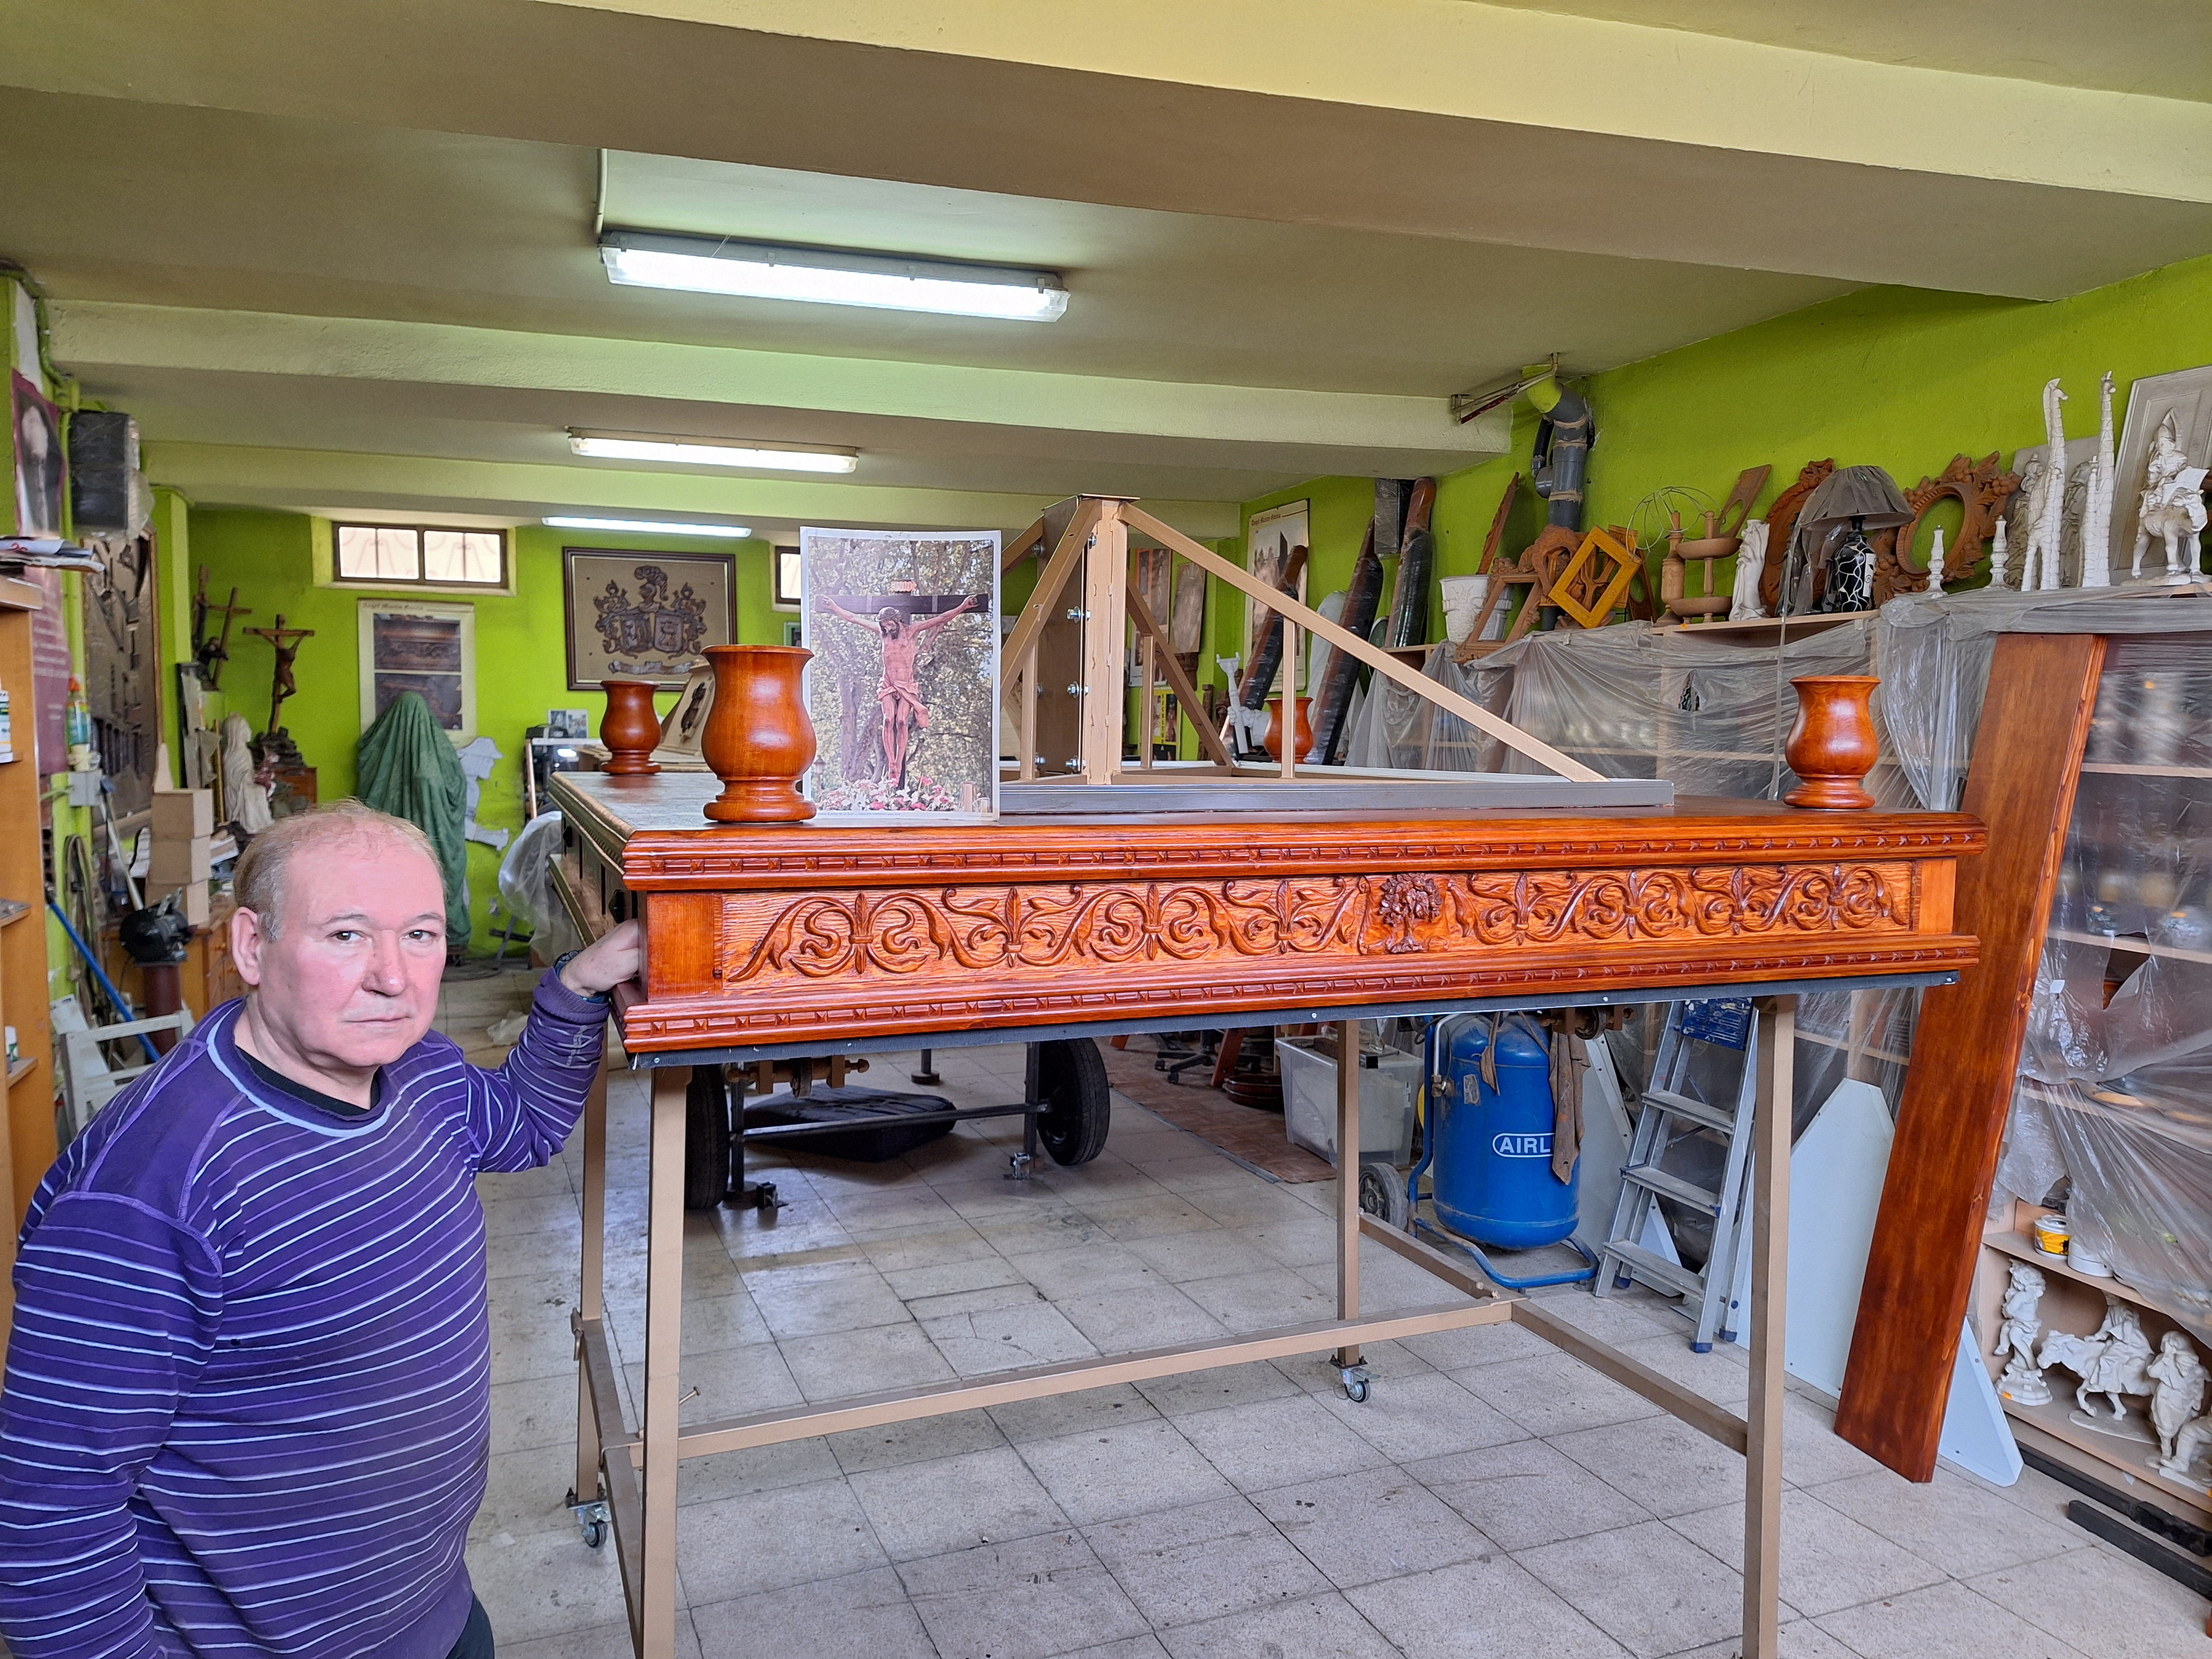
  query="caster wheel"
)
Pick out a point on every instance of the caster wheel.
point(591, 1521)
point(1068, 1077)
point(1383, 1194)
point(1357, 1385)
point(1018, 1166)
point(595, 1534)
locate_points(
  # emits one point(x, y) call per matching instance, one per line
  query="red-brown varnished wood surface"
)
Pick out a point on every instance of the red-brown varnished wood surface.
point(1965, 1053)
point(799, 933)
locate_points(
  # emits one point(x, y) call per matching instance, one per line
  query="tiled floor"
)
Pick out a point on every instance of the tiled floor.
point(1493, 1498)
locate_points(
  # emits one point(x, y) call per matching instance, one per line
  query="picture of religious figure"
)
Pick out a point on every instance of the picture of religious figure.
point(645, 616)
point(41, 465)
point(902, 690)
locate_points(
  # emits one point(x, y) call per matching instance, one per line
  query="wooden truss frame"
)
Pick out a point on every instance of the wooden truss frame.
point(1100, 526)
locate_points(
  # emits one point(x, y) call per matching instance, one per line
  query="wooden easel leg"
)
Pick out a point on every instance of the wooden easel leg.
point(591, 1299)
point(1347, 1174)
point(1770, 1266)
point(664, 1345)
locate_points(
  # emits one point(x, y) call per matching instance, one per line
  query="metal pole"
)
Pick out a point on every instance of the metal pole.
point(1347, 1166)
point(591, 1301)
point(1770, 1268)
point(664, 1344)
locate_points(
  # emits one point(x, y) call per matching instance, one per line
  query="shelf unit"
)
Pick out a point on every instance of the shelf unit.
point(2074, 1301)
point(27, 1143)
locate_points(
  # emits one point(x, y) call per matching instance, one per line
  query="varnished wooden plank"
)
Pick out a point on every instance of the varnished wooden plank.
point(1965, 1051)
point(1769, 1304)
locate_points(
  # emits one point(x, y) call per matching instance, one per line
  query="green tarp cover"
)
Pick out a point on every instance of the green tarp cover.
point(406, 766)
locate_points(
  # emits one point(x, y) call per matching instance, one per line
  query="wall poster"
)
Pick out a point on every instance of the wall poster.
point(903, 687)
point(645, 616)
point(423, 647)
point(41, 467)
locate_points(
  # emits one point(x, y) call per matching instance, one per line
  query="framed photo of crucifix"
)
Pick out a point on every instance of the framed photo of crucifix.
point(903, 689)
point(646, 615)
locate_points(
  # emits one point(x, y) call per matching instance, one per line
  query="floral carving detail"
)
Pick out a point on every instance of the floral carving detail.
point(1061, 923)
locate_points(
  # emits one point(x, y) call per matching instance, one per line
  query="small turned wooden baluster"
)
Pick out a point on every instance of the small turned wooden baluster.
point(629, 728)
point(758, 741)
point(1833, 743)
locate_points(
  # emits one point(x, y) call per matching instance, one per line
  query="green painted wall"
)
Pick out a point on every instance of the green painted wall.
point(521, 668)
point(1897, 377)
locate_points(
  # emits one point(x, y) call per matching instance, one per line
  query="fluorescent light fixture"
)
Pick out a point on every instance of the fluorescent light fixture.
point(886, 281)
point(709, 451)
point(648, 526)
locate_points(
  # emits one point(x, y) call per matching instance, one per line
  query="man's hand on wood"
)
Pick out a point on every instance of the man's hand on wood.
point(617, 956)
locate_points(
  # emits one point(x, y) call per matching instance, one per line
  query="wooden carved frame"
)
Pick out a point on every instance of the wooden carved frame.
point(1568, 590)
point(1982, 488)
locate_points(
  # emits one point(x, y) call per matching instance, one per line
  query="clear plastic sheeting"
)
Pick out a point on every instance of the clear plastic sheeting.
point(525, 887)
point(2113, 1108)
point(1710, 712)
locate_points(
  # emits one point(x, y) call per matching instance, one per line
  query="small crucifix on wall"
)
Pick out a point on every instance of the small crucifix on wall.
point(286, 643)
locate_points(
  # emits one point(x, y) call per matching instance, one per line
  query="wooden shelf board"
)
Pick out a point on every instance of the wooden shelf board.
point(2035, 1431)
point(2129, 1457)
point(2018, 1246)
point(14, 910)
point(2129, 769)
point(17, 594)
point(2130, 942)
point(2150, 1116)
point(1827, 1042)
point(22, 1069)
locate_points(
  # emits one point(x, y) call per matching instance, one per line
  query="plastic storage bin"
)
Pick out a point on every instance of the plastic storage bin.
point(1389, 1082)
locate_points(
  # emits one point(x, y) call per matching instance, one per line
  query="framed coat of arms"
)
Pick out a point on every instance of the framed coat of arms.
point(648, 616)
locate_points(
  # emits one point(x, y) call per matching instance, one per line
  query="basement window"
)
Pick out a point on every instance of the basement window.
point(428, 554)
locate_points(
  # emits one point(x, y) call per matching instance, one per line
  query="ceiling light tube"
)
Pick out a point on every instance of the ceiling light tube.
point(709, 451)
point(648, 526)
point(889, 282)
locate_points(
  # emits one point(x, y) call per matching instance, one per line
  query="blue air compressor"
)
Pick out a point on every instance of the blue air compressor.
point(1487, 1145)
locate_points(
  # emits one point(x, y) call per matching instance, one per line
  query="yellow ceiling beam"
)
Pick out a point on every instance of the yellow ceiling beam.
point(306, 480)
point(1594, 74)
point(91, 335)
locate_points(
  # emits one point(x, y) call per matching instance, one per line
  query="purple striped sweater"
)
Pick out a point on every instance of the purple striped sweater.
point(247, 1405)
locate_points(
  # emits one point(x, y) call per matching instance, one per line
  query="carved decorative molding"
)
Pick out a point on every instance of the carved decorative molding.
point(902, 934)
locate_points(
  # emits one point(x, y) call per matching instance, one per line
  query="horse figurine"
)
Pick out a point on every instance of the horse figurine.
point(2112, 1361)
point(2172, 506)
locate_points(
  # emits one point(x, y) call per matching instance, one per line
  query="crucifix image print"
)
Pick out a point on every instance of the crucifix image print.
point(903, 686)
point(898, 693)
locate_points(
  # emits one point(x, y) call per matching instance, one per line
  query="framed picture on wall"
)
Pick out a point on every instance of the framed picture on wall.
point(424, 648)
point(1269, 541)
point(786, 578)
point(646, 615)
point(41, 467)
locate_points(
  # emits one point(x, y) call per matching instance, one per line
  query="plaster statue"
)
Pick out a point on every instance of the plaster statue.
point(1750, 564)
point(2112, 1360)
point(1935, 562)
point(477, 760)
point(2097, 510)
point(1999, 576)
point(2179, 1375)
point(2173, 506)
point(245, 796)
point(2023, 1377)
point(2180, 1464)
point(2046, 527)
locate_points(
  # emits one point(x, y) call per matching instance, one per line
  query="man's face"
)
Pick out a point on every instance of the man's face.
point(892, 623)
point(350, 981)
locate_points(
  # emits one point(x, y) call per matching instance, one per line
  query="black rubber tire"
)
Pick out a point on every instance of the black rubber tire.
point(706, 1139)
point(1079, 1101)
point(1382, 1193)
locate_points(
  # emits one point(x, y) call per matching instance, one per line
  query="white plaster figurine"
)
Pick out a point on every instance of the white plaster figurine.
point(2181, 1378)
point(2181, 1465)
point(2112, 1360)
point(1999, 575)
point(1750, 562)
point(2097, 510)
point(2046, 524)
point(1936, 564)
point(2173, 506)
point(2023, 1378)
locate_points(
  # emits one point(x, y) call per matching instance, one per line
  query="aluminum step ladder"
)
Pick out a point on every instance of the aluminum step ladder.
point(1669, 1116)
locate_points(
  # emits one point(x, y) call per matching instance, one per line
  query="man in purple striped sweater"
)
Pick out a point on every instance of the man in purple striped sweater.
point(247, 1405)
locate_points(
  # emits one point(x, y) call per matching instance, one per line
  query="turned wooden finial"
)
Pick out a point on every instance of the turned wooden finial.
point(1833, 744)
point(758, 741)
point(629, 728)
